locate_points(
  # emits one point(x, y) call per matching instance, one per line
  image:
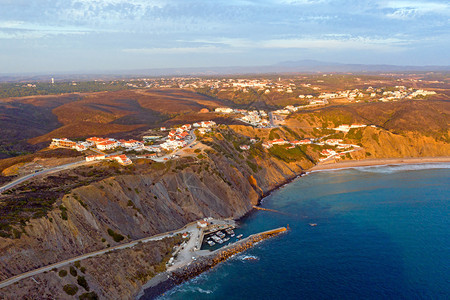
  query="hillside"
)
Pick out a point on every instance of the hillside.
point(28, 123)
point(70, 213)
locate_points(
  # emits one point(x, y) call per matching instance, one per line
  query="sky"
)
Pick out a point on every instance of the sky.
point(99, 35)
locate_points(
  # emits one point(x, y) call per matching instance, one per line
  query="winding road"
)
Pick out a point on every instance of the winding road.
point(43, 172)
point(191, 227)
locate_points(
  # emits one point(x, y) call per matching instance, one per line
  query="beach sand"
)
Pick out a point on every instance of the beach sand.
point(379, 162)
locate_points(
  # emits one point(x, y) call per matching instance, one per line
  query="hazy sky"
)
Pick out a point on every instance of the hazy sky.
point(90, 35)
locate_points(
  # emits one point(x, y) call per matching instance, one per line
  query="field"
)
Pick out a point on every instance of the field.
point(29, 123)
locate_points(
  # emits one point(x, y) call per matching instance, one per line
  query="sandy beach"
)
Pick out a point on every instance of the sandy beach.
point(379, 162)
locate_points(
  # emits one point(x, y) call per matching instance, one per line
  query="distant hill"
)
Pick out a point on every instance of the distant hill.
point(299, 66)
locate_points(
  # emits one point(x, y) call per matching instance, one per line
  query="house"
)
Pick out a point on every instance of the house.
point(183, 135)
point(121, 159)
point(207, 124)
point(328, 152)
point(202, 224)
point(163, 128)
point(95, 157)
point(244, 147)
point(107, 145)
point(131, 143)
point(343, 127)
point(267, 145)
point(333, 142)
point(305, 142)
point(204, 130)
point(224, 110)
point(172, 133)
point(186, 127)
point(278, 142)
point(63, 143)
point(149, 155)
point(80, 147)
point(96, 140)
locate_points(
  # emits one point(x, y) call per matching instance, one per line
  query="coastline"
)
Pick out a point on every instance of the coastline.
point(169, 279)
point(163, 282)
point(378, 162)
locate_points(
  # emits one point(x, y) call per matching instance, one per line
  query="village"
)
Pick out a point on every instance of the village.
point(177, 138)
point(290, 87)
point(111, 149)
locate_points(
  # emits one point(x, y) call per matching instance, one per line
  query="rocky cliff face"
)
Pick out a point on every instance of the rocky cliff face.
point(154, 198)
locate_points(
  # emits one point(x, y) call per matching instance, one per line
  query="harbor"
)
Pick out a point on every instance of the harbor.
point(206, 260)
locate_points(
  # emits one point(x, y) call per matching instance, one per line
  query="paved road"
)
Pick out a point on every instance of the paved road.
point(43, 172)
point(191, 227)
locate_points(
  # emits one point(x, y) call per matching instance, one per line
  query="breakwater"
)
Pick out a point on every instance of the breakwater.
point(208, 261)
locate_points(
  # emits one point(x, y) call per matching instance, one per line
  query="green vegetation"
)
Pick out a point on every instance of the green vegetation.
point(63, 212)
point(274, 134)
point(82, 282)
point(287, 155)
point(355, 134)
point(252, 166)
point(36, 199)
point(73, 271)
point(46, 88)
point(62, 273)
point(70, 289)
point(117, 237)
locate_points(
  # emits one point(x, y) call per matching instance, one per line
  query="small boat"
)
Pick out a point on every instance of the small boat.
point(211, 243)
point(240, 236)
point(220, 241)
point(312, 224)
point(226, 239)
point(232, 235)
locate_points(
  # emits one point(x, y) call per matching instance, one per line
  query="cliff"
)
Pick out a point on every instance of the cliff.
point(151, 198)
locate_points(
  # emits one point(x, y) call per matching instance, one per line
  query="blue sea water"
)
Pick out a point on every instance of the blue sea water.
point(382, 233)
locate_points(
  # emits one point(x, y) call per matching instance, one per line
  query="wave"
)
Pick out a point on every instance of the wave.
point(390, 168)
point(393, 168)
point(188, 287)
point(247, 257)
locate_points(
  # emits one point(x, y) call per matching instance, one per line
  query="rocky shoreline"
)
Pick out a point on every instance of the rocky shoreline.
point(166, 281)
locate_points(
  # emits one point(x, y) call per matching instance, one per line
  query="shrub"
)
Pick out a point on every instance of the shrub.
point(63, 212)
point(70, 289)
point(117, 237)
point(73, 271)
point(62, 273)
point(82, 282)
point(286, 155)
point(77, 264)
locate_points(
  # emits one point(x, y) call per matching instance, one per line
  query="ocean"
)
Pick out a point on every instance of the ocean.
point(382, 233)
